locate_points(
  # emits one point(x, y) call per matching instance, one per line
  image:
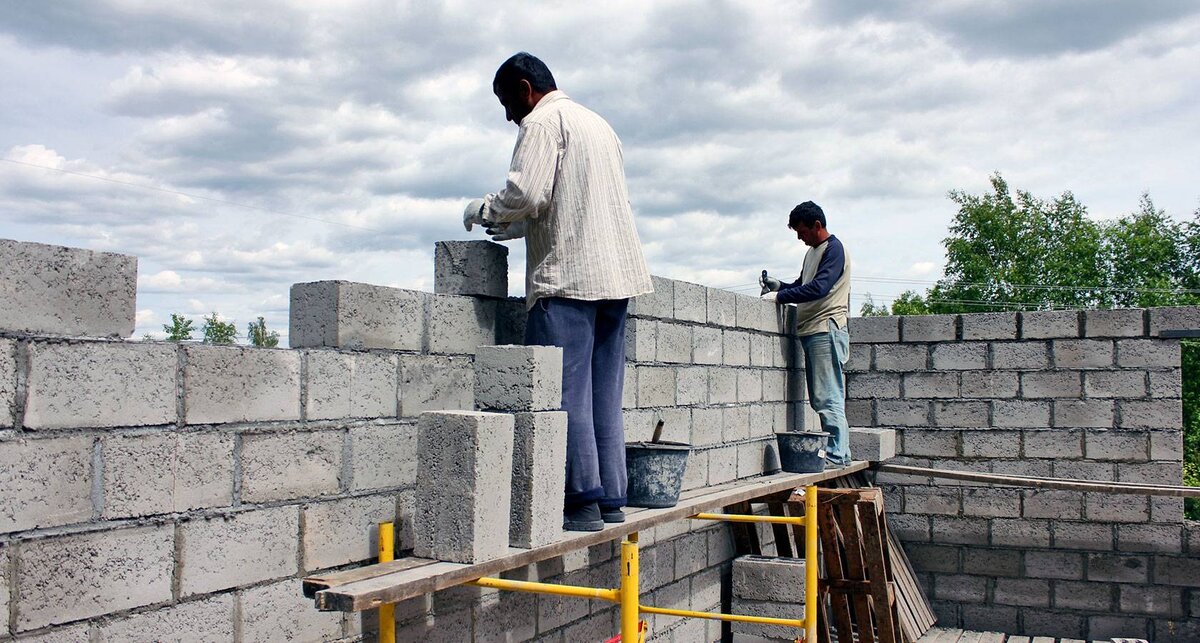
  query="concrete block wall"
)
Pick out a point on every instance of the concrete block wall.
point(1068, 394)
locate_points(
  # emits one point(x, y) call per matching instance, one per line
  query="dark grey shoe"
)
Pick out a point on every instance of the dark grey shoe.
point(585, 518)
point(612, 515)
point(830, 464)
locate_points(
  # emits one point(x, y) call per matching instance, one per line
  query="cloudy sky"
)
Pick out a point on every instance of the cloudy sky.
point(240, 147)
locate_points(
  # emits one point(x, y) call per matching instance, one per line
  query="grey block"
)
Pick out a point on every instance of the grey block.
point(210, 619)
point(722, 307)
point(8, 383)
point(1055, 443)
point(901, 357)
point(1021, 413)
point(707, 425)
point(459, 325)
point(1054, 564)
point(1082, 353)
point(867, 385)
point(873, 330)
point(931, 385)
point(1150, 353)
point(1083, 413)
point(463, 504)
point(1020, 355)
point(280, 612)
point(707, 345)
point(1151, 414)
point(5, 593)
point(930, 443)
point(1117, 322)
point(902, 412)
point(100, 384)
point(539, 455)
point(989, 326)
point(383, 456)
point(298, 464)
point(46, 483)
point(519, 378)
point(929, 328)
point(960, 588)
point(656, 386)
point(1101, 508)
point(349, 385)
point(1051, 384)
point(436, 383)
point(1114, 383)
point(344, 314)
point(344, 531)
point(673, 343)
point(691, 302)
point(736, 423)
point(1158, 601)
point(69, 578)
point(691, 385)
point(1024, 592)
point(749, 385)
point(992, 503)
point(1166, 445)
point(1050, 324)
point(736, 348)
point(751, 458)
point(873, 445)
point(470, 268)
point(239, 549)
point(235, 384)
point(722, 385)
point(1166, 383)
point(960, 357)
point(511, 316)
point(1163, 539)
point(1174, 318)
point(933, 500)
point(660, 303)
point(990, 443)
point(166, 472)
point(763, 578)
point(759, 632)
point(640, 338)
point(774, 386)
point(990, 384)
point(56, 290)
point(68, 634)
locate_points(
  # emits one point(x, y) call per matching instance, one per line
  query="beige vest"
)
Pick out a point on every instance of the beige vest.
point(812, 317)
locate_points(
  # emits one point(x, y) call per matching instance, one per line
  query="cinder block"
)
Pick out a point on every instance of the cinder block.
point(756, 314)
point(1151, 414)
point(1020, 355)
point(1173, 570)
point(538, 478)
point(510, 321)
point(343, 314)
point(873, 445)
point(961, 531)
point(1116, 445)
point(691, 302)
point(960, 414)
point(1024, 592)
point(279, 612)
point(69, 578)
point(56, 290)
point(752, 459)
point(656, 386)
point(736, 348)
point(1085, 470)
point(436, 383)
point(749, 385)
point(759, 632)
point(933, 500)
point(459, 325)
point(295, 464)
point(1050, 324)
point(660, 303)
point(463, 506)
point(519, 378)
point(774, 386)
point(344, 531)
point(1166, 445)
point(1052, 503)
point(1114, 383)
point(901, 357)
point(960, 588)
point(722, 307)
point(1056, 443)
point(46, 483)
point(1157, 601)
point(691, 385)
point(383, 456)
point(1152, 353)
point(1117, 322)
point(1082, 353)
point(763, 578)
point(1166, 383)
point(1021, 413)
point(873, 330)
point(1054, 564)
point(209, 619)
point(349, 385)
point(929, 328)
point(470, 268)
point(722, 465)
point(238, 549)
point(5, 596)
point(930, 443)
point(860, 359)
point(673, 342)
point(960, 357)
point(707, 424)
point(1020, 532)
point(990, 384)
point(166, 472)
point(100, 384)
point(866, 385)
point(1174, 318)
point(930, 385)
point(236, 384)
point(1083, 413)
point(707, 345)
point(989, 326)
point(1162, 539)
point(991, 443)
point(1083, 535)
point(1083, 596)
point(8, 382)
point(736, 422)
point(902, 413)
point(640, 338)
point(1155, 473)
point(993, 503)
point(1102, 508)
point(1051, 384)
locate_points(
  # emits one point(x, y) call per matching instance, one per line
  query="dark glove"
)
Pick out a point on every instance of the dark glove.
point(769, 284)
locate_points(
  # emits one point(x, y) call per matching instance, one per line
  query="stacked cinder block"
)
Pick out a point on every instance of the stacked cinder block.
point(470, 268)
point(1069, 394)
point(771, 587)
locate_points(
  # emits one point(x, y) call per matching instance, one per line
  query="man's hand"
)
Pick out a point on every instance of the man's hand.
point(769, 284)
point(770, 296)
point(506, 231)
point(473, 214)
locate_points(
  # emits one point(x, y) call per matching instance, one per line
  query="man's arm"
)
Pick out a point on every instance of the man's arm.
point(833, 263)
point(530, 184)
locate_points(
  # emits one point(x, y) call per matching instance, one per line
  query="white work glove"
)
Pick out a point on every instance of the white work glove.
point(473, 214)
point(770, 296)
point(506, 231)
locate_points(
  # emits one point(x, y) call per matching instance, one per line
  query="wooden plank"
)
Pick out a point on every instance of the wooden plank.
point(1017, 639)
point(783, 535)
point(745, 535)
point(996, 637)
point(970, 636)
point(314, 584)
point(1043, 639)
point(940, 635)
point(366, 594)
point(852, 557)
point(828, 533)
point(876, 567)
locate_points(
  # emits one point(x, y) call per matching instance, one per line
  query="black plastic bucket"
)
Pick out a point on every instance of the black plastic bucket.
point(655, 472)
point(802, 452)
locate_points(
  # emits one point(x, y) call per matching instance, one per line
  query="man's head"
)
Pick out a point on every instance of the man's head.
point(520, 83)
point(808, 220)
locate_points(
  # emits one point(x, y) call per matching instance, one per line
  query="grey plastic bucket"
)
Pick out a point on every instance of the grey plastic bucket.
point(802, 452)
point(655, 472)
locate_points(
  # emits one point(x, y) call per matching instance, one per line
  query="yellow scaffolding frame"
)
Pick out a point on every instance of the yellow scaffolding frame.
point(627, 595)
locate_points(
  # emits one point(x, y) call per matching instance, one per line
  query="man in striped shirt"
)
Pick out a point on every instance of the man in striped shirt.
point(822, 298)
point(566, 195)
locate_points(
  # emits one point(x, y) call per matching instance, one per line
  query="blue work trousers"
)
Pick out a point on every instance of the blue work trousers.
point(592, 336)
point(824, 355)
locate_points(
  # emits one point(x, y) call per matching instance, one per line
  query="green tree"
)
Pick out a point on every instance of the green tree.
point(180, 329)
point(1190, 355)
point(870, 309)
point(1149, 259)
point(217, 331)
point(910, 303)
point(258, 335)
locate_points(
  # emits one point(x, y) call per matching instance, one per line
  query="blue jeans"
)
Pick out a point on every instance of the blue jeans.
point(592, 336)
point(824, 355)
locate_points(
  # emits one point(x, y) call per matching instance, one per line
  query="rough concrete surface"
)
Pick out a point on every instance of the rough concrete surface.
point(435, 383)
point(460, 325)
point(338, 532)
point(166, 472)
point(209, 620)
point(75, 577)
point(239, 549)
point(345, 385)
point(463, 501)
point(55, 290)
point(344, 314)
point(4, 591)
point(383, 456)
point(239, 384)
point(71, 634)
point(279, 612)
point(470, 268)
point(46, 483)
point(300, 464)
point(100, 384)
point(8, 382)
point(538, 478)
point(519, 378)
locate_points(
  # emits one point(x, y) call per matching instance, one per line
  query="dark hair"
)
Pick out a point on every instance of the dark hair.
point(523, 66)
point(806, 213)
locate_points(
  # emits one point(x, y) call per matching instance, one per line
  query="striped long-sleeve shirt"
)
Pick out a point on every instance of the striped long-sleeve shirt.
point(567, 178)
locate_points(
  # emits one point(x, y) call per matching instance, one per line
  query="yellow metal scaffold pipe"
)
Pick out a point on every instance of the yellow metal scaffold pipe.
point(387, 613)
